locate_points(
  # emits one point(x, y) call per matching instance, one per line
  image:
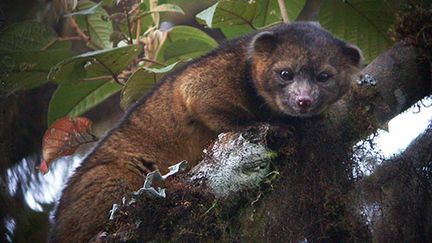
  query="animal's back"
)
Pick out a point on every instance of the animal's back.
point(158, 132)
point(290, 70)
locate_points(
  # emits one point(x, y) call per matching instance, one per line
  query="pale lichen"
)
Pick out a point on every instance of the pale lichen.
point(237, 164)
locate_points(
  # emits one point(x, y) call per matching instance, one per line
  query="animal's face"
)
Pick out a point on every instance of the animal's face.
point(300, 69)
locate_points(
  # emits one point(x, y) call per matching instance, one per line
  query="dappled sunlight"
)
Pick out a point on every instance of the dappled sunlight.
point(40, 189)
point(404, 128)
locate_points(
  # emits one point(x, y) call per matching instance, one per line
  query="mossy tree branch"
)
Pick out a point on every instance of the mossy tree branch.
point(315, 194)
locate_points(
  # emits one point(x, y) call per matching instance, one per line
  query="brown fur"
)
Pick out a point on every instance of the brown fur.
point(228, 89)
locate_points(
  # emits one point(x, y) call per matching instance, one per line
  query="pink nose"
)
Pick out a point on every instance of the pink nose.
point(304, 102)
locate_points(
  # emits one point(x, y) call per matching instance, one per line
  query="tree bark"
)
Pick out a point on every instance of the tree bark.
point(399, 194)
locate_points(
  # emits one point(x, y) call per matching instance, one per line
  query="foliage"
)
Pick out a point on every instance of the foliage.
point(127, 51)
point(123, 42)
point(236, 18)
point(364, 23)
point(63, 138)
point(28, 50)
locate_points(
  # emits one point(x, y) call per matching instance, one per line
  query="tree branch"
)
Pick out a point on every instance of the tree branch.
point(400, 190)
point(314, 197)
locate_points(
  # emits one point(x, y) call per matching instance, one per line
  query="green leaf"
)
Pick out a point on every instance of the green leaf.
point(27, 69)
point(161, 70)
point(168, 8)
point(78, 97)
point(97, 25)
point(110, 3)
point(183, 43)
point(26, 36)
point(237, 17)
point(138, 84)
point(87, 11)
point(269, 12)
point(94, 64)
point(24, 64)
point(231, 13)
point(207, 14)
point(361, 22)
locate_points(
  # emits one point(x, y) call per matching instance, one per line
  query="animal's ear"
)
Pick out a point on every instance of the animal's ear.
point(354, 54)
point(264, 42)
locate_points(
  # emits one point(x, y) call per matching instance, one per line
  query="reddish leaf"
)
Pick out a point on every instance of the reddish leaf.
point(63, 138)
point(43, 167)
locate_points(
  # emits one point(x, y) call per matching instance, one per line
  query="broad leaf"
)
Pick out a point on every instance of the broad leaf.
point(183, 43)
point(27, 69)
point(141, 82)
point(28, 50)
point(63, 138)
point(78, 97)
point(172, 8)
point(97, 25)
point(207, 15)
point(161, 70)
point(138, 84)
point(110, 3)
point(145, 13)
point(26, 36)
point(362, 22)
point(94, 64)
point(237, 17)
point(87, 11)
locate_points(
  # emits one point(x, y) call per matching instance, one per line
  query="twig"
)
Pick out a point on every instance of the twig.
point(283, 11)
point(138, 29)
point(129, 28)
point(78, 30)
point(81, 33)
point(67, 38)
point(51, 43)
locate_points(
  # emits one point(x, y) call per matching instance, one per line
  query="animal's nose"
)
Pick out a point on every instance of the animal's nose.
point(304, 102)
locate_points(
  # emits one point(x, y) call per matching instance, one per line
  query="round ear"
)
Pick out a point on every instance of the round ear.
point(263, 42)
point(354, 54)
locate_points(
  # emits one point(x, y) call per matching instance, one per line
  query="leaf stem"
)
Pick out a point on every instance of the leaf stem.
point(67, 38)
point(129, 28)
point(114, 76)
point(138, 29)
point(240, 17)
point(81, 33)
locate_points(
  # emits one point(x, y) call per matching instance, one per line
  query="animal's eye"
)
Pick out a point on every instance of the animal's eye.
point(323, 76)
point(286, 75)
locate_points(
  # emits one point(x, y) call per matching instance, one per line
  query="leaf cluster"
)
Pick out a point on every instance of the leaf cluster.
point(128, 46)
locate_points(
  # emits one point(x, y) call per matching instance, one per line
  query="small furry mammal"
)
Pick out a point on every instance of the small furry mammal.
point(296, 69)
